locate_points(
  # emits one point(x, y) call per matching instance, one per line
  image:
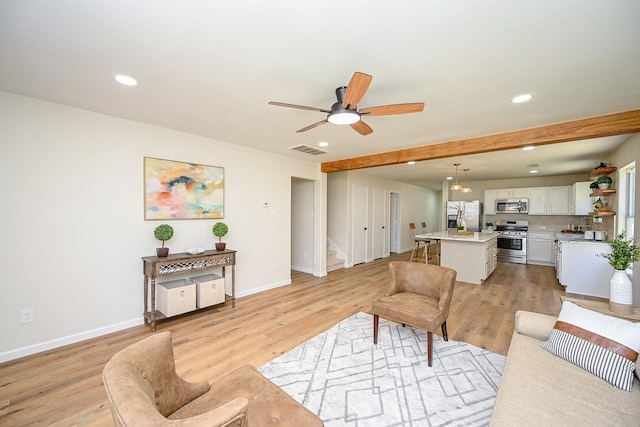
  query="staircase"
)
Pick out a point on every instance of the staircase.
point(333, 262)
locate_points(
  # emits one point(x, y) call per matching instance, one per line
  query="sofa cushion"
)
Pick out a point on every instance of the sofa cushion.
point(603, 345)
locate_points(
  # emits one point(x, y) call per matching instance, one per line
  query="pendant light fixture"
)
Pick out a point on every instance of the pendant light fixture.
point(466, 188)
point(456, 186)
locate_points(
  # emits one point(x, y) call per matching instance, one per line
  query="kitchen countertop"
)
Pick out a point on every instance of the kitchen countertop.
point(576, 238)
point(477, 237)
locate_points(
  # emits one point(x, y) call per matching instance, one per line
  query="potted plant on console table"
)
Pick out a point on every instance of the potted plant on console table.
point(163, 232)
point(220, 229)
point(623, 253)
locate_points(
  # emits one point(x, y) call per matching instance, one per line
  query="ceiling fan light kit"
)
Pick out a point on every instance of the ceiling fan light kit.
point(345, 110)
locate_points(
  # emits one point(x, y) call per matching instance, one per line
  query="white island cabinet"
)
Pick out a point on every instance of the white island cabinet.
point(474, 257)
point(581, 270)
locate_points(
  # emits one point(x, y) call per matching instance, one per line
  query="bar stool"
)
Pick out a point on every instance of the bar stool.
point(415, 253)
point(433, 248)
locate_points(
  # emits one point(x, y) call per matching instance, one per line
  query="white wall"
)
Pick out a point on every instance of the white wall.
point(73, 225)
point(417, 204)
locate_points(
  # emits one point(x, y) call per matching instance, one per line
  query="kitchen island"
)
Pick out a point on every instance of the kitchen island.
point(473, 256)
point(579, 267)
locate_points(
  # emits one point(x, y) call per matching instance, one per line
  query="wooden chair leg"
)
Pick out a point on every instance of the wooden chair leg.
point(444, 331)
point(375, 328)
point(429, 347)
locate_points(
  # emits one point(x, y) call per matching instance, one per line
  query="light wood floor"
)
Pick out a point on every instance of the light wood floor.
point(64, 386)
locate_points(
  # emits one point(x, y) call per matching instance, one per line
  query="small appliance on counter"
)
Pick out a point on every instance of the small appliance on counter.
point(589, 235)
point(600, 235)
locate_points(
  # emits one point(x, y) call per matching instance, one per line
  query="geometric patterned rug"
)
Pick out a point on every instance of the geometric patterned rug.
point(346, 380)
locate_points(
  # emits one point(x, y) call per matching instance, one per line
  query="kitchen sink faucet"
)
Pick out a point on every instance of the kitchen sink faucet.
point(586, 225)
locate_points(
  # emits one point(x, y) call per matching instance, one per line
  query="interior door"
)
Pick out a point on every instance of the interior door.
point(394, 216)
point(359, 229)
point(378, 223)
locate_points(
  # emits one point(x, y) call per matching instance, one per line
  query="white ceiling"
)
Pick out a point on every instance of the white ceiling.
point(210, 68)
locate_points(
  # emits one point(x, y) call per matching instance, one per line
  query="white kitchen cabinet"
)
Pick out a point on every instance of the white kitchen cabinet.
point(540, 248)
point(560, 200)
point(550, 200)
point(490, 197)
point(512, 193)
point(582, 271)
point(582, 203)
point(491, 256)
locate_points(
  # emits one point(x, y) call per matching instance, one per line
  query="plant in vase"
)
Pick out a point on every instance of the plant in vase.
point(604, 182)
point(220, 229)
point(489, 226)
point(163, 232)
point(599, 203)
point(623, 253)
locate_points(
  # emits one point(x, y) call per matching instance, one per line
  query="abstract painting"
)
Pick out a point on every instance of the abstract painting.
point(180, 190)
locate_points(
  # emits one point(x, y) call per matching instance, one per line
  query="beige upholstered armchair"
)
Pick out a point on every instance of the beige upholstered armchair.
point(419, 296)
point(144, 390)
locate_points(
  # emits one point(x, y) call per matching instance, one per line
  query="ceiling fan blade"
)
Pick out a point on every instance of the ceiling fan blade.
point(321, 122)
point(301, 107)
point(356, 89)
point(362, 128)
point(389, 110)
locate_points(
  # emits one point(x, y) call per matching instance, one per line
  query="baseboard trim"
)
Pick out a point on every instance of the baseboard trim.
point(94, 333)
point(69, 339)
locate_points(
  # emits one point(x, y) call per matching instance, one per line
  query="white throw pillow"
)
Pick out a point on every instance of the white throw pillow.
point(603, 345)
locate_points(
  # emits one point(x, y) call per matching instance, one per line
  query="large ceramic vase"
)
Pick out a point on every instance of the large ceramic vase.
point(620, 293)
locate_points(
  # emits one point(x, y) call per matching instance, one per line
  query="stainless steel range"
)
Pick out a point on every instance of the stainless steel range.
point(512, 240)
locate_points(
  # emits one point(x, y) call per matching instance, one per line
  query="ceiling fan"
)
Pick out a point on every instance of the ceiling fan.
point(345, 110)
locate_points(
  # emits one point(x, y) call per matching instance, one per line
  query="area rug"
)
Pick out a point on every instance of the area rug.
point(345, 379)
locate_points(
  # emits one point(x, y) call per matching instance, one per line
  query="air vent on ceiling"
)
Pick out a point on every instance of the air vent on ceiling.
point(307, 149)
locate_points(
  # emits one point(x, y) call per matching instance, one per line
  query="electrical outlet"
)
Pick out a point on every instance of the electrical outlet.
point(27, 315)
point(543, 227)
point(274, 267)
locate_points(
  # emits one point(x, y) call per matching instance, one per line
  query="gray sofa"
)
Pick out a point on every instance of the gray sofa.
point(540, 389)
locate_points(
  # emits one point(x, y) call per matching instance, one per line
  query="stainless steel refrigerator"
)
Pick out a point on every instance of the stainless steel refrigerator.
point(470, 210)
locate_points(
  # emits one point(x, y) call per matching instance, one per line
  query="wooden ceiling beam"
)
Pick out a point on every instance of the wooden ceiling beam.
point(593, 127)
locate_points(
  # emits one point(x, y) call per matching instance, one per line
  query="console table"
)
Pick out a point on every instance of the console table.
point(154, 267)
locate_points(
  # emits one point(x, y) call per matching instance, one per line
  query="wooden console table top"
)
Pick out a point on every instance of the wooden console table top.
point(602, 306)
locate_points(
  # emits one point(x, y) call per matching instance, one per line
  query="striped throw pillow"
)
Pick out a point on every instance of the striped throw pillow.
point(603, 345)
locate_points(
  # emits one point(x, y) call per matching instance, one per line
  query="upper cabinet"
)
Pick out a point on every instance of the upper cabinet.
point(582, 203)
point(555, 200)
point(491, 195)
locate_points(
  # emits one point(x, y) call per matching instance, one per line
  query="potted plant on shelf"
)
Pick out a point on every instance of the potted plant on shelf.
point(599, 203)
point(604, 182)
point(623, 252)
point(220, 229)
point(163, 232)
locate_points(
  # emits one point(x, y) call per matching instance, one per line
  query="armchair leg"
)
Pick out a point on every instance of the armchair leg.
point(444, 331)
point(430, 347)
point(375, 328)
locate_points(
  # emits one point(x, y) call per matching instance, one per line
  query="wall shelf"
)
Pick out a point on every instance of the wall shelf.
point(602, 213)
point(602, 171)
point(597, 193)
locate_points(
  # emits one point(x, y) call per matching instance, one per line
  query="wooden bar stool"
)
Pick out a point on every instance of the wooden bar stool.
point(433, 247)
point(415, 253)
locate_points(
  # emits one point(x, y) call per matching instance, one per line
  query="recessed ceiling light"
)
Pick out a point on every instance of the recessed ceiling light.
point(521, 98)
point(411, 162)
point(323, 144)
point(528, 147)
point(533, 171)
point(449, 178)
point(126, 80)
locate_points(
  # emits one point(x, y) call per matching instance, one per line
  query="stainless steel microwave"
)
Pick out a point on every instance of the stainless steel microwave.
point(512, 206)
